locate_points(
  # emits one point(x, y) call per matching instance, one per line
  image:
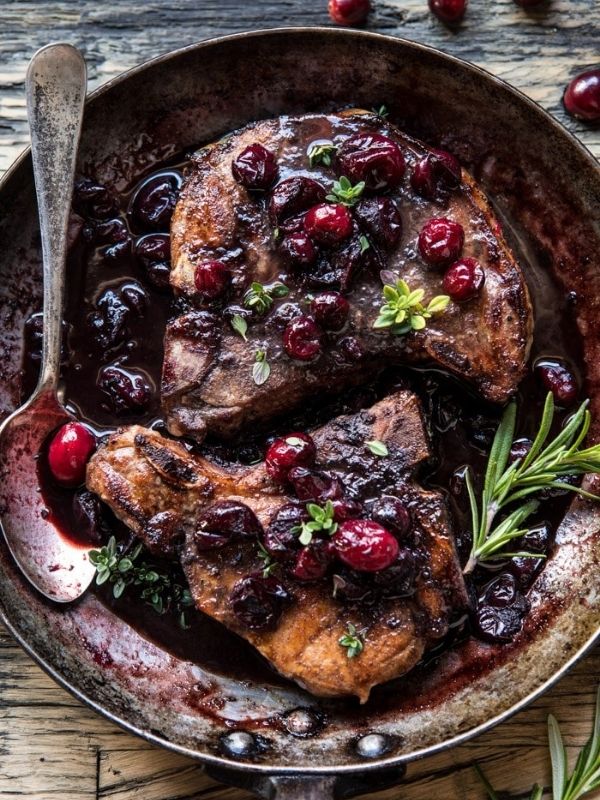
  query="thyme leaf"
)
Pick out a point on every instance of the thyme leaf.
point(404, 311)
point(320, 520)
point(240, 326)
point(353, 640)
point(259, 298)
point(321, 154)
point(345, 193)
point(261, 369)
point(378, 448)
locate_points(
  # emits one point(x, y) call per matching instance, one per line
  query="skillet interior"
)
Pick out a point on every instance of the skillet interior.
point(545, 185)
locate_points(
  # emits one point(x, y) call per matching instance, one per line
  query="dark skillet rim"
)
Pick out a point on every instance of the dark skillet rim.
point(362, 766)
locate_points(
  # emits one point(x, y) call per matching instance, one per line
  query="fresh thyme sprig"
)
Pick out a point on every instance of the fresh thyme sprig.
point(261, 369)
point(269, 564)
point(584, 778)
point(544, 467)
point(404, 310)
point(353, 641)
point(321, 519)
point(123, 570)
point(321, 154)
point(260, 298)
point(343, 192)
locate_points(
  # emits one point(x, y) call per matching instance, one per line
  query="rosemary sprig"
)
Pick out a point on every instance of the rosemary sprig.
point(343, 192)
point(544, 467)
point(321, 154)
point(321, 519)
point(353, 641)
point(404, 310)
point(259, 298)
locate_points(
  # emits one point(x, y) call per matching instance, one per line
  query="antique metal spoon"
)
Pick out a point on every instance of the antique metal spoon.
point(57, 567)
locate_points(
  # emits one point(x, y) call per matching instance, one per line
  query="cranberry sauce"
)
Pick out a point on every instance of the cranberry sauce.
point(118, 304)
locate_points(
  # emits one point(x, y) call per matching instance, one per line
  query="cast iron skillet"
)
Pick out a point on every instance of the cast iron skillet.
point(545, 185)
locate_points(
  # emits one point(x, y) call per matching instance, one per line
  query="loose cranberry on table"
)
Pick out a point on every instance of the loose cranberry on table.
point(582, 96)
point(463, 280)
point(373, 158)
point(559, 380)
point(349, 12)
point(255, 168)
point(298, 250)
point(392, 514)
point(441, 241)
point(328, 223)
point(302, 339)
point(223, 522)
point(211, 278)
point(313, 561)
point(258, 602)
point(293, 450)
point(330, 310)
point(436, 174)
point(153, 252)
point(69, 451)
point(309, 484)
point(127, 389)
point(153, 202)
point(448, 10)
point(365, 545)
point(380, 218)
point(294, 195)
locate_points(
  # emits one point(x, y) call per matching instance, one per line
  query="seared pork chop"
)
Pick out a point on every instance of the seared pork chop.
point(208, 382)
point(163, 492)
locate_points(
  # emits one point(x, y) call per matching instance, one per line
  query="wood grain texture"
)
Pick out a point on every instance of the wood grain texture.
point(50, 745)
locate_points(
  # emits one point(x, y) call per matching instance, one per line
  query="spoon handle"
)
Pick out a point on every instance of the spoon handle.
point(55, 86)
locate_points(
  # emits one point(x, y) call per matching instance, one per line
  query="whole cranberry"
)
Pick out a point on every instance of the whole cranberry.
point(298, 250)
point(536, 540)
point(280, 538)
point(501, 609)
point(154, 200)
point(302, 339)
point(330, 310)
point(328, 223)
point(312, 561)
point(211, 278)
point(255, 168)
point(448, 10)
point(380, 218)
point(582, 96)
point(441, 241)
point(153, 252)
point(519, 449)
point(346, 509)
point(312, 485)
point(373, 158)
point(293, 450)
point(436, 174)
point(559, 380)
point(128, 390)
point(294, 195)
point(365, 545)
point(109, 231)
point(463, 280)
point(258, 602)
point(91, 199)
point(392, 514)
point(349, 12)
point(69, 451)
point(226, 521)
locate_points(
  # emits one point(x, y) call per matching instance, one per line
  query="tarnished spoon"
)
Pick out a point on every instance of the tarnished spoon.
point(57, 567)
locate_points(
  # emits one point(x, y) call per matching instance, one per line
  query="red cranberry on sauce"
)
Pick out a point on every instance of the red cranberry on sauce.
point(328, 223)
point(441, 241)
point(373, 158)
point(258, 602)
point(293, 450)
point(224, 522)
point(330, 310)
point(313, 561)
point(556, 378)
point(69, 451)
point(448, 10)
point(365, 545)
point(501, 609)
point(346, 509)
point(279, 538)
point(153, 203)
point(380, 218)
point(91, 199)
point(255, 168)
point(298, 250)
point(349, 12)
point(582, 96)
point(392, 514)
point(309, 484)
point(302, 339)
point(211, 278)
point(294, 195)
point(128, 390)
point(436, 174)
point(463, 280)
point(153, 252)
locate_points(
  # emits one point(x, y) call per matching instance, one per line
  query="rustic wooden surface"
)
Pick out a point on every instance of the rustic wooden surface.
point(50, 745)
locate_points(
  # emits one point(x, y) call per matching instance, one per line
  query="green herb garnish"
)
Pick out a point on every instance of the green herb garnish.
point(269, 564)
point(544, 467)
point(240, 326)
point(365, 244)
point(353, 640)
point(378, 448)
point(382, 111)
point(260, 298)
point(343, 192)
point(404, 310)
point(321, 154)
point(321, 519)
point(261, 369)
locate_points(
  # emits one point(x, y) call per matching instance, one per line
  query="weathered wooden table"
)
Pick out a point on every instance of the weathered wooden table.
point(50, 745)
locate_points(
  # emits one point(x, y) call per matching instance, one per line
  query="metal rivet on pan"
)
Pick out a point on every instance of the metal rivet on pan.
point(303, 722)
point(238, 743)
point(373, 745)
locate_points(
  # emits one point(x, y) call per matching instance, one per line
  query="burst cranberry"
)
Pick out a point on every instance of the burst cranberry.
point(556, 378)
point(293, 450)
point(373, 158)
point(87, 516)
point(69, 451)
point(519, 449)
point(230, 518)
point(302, 339)
point(153, 202)
point(448, 10)
point(108, 231)
point(294, 195)
point(280, 538)
point(441, 241)
point(392, 514)
point(255, 168)
point(91, 199)
point(298, 250)
point(313, 561)
point(153, 252)
point(501, 609)
point(330, 309)
point(346, 509)
point(582, 96)
point(365, 545)
point(328, 223)
point(128, 390)
point(436, 174)
point(258, 602)
point(349, 12)
point(463, 280)
point(116, 308)
point(380, 218)
point(312, 485)
point(211, 278)
point(536, 540)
